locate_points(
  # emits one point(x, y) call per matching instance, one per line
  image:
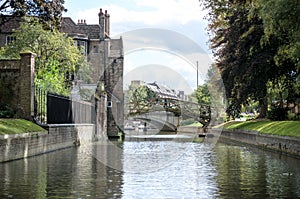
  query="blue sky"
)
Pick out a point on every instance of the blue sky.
point(176, 26)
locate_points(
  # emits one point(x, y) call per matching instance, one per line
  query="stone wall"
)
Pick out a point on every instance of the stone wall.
point(17, 84)
point(284, 144)
point(20, 146)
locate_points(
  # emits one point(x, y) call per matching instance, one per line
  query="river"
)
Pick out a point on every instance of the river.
point(153, 167)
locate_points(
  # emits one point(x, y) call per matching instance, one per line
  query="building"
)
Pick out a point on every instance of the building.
point(104, 53)
point(107, 59)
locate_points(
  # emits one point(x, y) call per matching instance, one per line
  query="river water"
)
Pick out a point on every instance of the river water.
point(153, 167)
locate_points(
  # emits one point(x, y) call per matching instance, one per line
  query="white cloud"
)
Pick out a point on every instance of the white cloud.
point(185, 17)
point(149, 13)
point(179, 64)
point(171, 10)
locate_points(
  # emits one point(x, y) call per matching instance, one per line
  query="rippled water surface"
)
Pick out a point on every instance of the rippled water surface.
point(153, 168)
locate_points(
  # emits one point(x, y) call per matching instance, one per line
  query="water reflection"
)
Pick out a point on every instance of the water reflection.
point(251, 173)
point(69, 173)
point(227, 171)
point(192, 175)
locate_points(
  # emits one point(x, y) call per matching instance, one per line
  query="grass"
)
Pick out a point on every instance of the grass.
point(17, 126)
point(195, 124)
point(282, 128)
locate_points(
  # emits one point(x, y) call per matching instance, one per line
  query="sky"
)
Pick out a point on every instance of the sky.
point(162, 38)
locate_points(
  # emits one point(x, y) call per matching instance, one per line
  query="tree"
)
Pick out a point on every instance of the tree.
point(245, 64)
point(281, 20)
point(140, 99)
point(57, 57)
point(49, 12)
point(203, 95)
point(204, 104)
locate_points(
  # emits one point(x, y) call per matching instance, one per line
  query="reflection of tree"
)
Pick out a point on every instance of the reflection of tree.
point(242, 173)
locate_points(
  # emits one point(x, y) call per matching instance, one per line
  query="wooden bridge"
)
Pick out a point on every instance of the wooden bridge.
point(160, 107)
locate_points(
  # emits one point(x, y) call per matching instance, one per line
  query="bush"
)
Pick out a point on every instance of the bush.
point(6, 111)
point(277, 113)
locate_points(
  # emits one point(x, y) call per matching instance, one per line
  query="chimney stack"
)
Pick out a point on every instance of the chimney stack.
point(104, 23)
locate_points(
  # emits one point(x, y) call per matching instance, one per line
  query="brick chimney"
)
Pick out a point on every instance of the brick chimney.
point(107, 23)
point(102, 24)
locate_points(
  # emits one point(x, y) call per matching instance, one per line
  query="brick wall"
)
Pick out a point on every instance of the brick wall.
point(17, 84)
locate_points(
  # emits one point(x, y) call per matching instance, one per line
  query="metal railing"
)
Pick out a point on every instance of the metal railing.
point(52, 108)
point(40, 105)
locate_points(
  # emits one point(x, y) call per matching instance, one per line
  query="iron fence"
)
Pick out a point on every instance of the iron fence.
point(40, 105)
point(52, 108)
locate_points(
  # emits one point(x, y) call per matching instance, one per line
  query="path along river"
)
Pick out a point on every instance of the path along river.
point(153, 167)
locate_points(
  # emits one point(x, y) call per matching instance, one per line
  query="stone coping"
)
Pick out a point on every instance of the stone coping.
point(22, 135)
point(68, 125)
point(36, 134)
point(259, 134)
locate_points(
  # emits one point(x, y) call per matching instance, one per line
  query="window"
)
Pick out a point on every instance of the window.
point(10, 39)
point(81, 46)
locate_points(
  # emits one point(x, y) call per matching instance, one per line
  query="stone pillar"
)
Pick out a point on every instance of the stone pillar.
point(26, 98)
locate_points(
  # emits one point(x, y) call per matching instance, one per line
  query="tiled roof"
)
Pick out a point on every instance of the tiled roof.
point(162, 91)
point(10, 23)
point(70, 27)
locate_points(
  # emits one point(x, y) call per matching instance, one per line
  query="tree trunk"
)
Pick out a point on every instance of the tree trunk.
point(263, 106)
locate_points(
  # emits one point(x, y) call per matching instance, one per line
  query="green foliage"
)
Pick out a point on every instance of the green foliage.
point(57, 57)
point(6, 111)
point(140, 98)
point(203, 95)
point(255, 42)
point(49, 13)
point(277, 113)
point(50, 79)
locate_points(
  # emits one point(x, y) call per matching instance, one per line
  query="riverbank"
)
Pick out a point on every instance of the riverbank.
point(282, 137)
point(20, 138)
point(280, 128)
point(18, 126)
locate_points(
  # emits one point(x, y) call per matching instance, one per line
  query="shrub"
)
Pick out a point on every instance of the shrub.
point(277, 113)
point(6, 111)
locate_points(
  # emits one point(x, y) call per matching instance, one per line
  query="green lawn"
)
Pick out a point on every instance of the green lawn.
point(195, 124)
point(17, 126)
point(283, 128)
